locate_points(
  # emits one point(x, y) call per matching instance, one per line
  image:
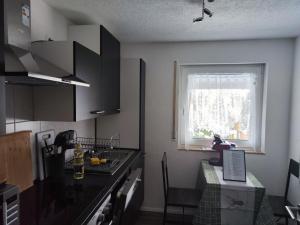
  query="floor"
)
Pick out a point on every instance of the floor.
point(152, 218)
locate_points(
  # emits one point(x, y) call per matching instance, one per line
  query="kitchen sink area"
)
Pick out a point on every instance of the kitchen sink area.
point(114, 158)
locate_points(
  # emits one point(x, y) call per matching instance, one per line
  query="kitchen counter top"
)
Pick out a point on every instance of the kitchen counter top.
point(67, 201)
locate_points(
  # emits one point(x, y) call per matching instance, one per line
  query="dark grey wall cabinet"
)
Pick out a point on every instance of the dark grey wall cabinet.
point(2, 106)
point(101, 41)
point(110, 71)
point(68, 103)
point(19, 103)
point(142, 105)
point(93, 56)
point(2, 79)
point(87, 67)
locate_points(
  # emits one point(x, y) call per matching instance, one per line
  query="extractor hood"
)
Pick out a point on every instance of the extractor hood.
point(17, 63)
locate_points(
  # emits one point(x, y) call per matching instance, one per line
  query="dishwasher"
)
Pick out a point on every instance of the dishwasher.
point(113, 208)
point(294, 213)
point(125, 195)
point(102, 215)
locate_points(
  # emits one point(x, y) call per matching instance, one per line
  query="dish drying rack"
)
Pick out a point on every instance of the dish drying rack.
point(97, 143)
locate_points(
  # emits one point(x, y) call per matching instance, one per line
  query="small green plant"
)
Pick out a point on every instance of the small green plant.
point(203, 133)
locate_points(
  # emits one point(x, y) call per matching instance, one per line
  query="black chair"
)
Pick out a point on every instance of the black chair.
point(177, 197)
point(278, 203)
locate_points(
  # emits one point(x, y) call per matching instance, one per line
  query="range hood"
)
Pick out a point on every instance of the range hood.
point(17, 63)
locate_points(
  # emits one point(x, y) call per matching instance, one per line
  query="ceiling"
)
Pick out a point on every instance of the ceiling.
point(171, 20)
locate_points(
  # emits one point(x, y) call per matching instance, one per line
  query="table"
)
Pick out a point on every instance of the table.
point(230, 202)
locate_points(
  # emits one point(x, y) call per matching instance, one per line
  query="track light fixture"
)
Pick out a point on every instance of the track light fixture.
point(198, 19)
point(208, 12)
point(204, 11)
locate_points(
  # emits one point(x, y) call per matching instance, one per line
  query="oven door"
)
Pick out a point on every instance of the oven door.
point(126, 196)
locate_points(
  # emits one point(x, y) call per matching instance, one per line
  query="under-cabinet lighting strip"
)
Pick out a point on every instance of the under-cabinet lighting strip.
point(77, 83)
point(57, 79)
point(44, 77)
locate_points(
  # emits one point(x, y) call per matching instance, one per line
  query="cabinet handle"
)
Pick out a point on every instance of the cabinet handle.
point(98, 112)
point(289, 209)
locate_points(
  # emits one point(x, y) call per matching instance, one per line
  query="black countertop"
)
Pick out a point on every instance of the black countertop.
point(67, 201)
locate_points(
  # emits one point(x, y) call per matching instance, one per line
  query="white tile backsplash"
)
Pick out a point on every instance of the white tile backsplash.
point(83, 128)
point(10, 128)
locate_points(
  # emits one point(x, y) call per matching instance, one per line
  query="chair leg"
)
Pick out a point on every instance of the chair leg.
point(286, 221)
point(183, 215)
point(165, 214)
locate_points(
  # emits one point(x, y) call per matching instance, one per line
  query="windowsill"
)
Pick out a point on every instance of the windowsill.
point(212, 150)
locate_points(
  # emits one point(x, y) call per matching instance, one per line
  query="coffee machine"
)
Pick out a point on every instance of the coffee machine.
point(51, 152)
point(55, 160)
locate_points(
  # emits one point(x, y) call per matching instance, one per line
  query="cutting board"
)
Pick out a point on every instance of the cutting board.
point(15, 150)
point(3, 165)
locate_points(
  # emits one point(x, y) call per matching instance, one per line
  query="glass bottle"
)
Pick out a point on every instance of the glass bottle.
point(78, 163)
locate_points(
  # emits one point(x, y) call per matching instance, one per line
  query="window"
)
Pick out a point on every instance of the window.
point(220, 99)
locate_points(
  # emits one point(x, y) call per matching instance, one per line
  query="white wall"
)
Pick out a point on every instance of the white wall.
point(46, 23)
point(294, 195)
point(269, 168)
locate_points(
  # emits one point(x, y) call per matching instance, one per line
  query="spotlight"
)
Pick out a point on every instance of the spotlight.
point(208, 12)
point(203, 11)
point(199, 19)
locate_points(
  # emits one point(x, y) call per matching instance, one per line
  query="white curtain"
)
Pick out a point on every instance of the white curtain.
point(222, 103)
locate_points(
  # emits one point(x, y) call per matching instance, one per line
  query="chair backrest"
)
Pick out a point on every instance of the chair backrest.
point(293, 170)
point(164, 167)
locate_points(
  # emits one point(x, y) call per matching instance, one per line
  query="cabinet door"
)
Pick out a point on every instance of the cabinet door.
point(86, 67)
point(142, 104)
point(2, 108)
point(110, 75)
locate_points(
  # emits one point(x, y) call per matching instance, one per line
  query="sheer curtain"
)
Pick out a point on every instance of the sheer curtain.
point(226, 103)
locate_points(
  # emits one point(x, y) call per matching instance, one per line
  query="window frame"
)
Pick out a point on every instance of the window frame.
point(203, 144)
